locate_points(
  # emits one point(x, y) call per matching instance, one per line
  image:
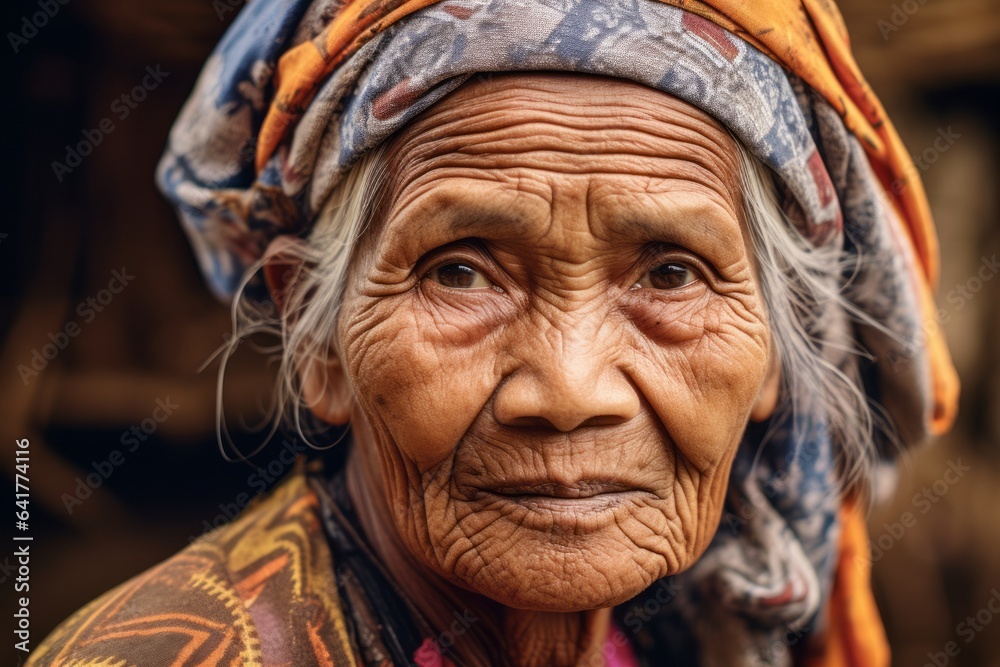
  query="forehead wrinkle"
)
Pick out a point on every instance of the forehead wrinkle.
point(460, 212)
point(474, 128)
point(526, 133)
point(485, 118)
point(548, 95)
point(521, 143)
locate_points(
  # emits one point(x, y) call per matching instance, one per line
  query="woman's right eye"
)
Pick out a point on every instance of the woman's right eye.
point(669, 276)
point(459, 275)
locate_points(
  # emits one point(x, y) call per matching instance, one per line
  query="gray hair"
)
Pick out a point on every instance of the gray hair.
point(809, 317)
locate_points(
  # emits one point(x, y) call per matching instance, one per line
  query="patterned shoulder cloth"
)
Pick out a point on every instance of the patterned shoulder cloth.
point(259, 591)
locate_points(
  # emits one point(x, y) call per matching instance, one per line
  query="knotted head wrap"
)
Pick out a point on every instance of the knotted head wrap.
point(298, 90)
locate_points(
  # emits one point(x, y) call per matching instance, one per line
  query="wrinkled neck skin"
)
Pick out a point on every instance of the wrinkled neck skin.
point(524, 638)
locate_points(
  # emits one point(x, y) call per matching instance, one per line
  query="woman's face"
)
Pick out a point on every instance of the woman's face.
point(554, 338)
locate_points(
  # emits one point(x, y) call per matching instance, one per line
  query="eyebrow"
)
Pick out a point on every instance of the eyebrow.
point(480, 221)
point(681, 223)
point(460, 216)
point(685, 218)
point(684, 224)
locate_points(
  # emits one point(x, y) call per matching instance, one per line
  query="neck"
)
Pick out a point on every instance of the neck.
point(485, 632)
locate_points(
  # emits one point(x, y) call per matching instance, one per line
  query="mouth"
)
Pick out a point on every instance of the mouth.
point(585, 496)
point(547, 489)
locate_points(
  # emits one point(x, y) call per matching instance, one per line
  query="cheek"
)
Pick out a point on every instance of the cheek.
point(416, 372)
point(701, 364)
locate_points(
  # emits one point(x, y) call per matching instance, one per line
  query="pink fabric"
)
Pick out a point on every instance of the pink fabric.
point(617, 651)
point(429, 655)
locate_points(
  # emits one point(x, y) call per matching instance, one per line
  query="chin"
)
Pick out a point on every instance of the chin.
point(553, 581)
point(558, 559)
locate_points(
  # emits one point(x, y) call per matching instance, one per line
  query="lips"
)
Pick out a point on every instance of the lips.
point(555, 499)
point(571, 508)
point(549, 489)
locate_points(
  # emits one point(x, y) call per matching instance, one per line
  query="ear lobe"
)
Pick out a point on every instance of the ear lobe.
point(326, 391)
point(767, 398)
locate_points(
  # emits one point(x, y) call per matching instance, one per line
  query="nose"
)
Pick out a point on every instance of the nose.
point(567, 386)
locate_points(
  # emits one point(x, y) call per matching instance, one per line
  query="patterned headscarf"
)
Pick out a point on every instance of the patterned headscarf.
point(298, 90)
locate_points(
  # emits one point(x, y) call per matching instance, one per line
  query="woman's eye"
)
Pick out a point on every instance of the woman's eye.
point(671, 275)
point(460, 276)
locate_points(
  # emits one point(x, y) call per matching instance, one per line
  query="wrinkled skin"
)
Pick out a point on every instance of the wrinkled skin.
point(551, 346)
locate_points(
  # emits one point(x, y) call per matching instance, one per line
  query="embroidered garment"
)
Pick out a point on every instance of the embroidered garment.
point(286, 584)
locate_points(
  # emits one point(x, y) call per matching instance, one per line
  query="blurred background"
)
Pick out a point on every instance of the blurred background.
point(105, 321)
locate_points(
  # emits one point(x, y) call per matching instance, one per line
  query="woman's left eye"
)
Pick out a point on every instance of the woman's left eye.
point(459, 275)
point(670, 275)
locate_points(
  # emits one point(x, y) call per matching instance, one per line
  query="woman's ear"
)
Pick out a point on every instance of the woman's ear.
point(767, 398)
point(282, 262)
point(326, 390)
point(324, 384)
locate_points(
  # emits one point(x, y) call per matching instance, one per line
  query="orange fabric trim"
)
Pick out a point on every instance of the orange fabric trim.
point(808, 37)
point(302, 69)
point(855, 636)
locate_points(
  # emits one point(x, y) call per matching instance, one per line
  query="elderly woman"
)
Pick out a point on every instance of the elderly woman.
point(621, 300)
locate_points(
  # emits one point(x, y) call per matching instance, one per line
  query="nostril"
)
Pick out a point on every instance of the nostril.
point(564, 397)
point(563, 418)
point(605, 420)
point(530, 422)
